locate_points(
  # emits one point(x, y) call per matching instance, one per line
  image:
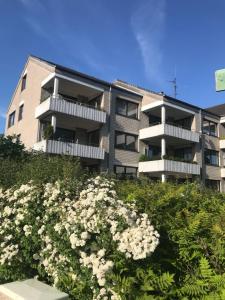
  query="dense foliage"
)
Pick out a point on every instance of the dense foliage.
point(18, 166)
point(94, 239)
point(11, 147)
point(78, 241)
point(191, 223)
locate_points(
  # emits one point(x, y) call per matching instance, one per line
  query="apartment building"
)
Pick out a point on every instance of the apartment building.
point(116, 127)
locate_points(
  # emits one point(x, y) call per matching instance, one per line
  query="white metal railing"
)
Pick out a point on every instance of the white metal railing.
point(67, 148)
point(169, 130)
point(164, 165)
point(77, 109)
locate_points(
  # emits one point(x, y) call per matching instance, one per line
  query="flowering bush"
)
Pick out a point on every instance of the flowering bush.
point(79, 239)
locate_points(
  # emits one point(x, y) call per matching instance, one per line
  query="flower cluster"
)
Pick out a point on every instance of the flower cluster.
point(76, 233)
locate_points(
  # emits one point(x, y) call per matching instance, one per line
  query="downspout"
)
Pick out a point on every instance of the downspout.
point(109, 127)
point(202, 144)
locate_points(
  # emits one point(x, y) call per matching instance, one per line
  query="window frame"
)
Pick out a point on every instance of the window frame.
point(10, 123)
point(126, 134)
point(24, 82)
point(212, 184)
point(127, 104)
point(209, 126)
point(125, 175)
point(211, 151)
point(20, 113)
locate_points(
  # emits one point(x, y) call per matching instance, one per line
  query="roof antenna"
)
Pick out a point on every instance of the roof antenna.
point(174, 83)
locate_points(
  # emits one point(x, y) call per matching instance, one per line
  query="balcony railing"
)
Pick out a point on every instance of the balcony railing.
point(171, 166)
point(169, 130)
point(69, 148)
point(173, 124)
point(167, 157)
point(69, 107)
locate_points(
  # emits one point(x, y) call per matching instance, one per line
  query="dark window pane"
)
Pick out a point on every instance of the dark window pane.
point(132, 110)
point(213, 184)
point(130, 142)
point(121, 107)
point(209, 127)
point(23, 84)
point(131, 170)
point(213, 128)
point(94, 138)
point(11, 120)
point(212, 157)
point(120, 140)
point(206, 126)
point(120, 170)
point(20, 116)
point(64, 135)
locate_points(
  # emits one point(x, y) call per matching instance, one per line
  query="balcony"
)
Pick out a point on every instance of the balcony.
point(169, 130)
point(76, 109)
point(166, 165)
point(69, 148)
point(222, 144)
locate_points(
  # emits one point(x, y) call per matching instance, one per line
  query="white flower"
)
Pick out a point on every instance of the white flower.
point(27, 229)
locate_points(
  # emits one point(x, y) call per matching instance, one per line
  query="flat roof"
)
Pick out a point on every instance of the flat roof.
point(215, 110)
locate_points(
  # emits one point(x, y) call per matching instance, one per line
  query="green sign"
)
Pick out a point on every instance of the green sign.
point(220, 80)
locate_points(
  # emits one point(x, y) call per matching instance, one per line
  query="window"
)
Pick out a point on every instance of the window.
point(20, 115)
point(11, 120)
point(64, 135)
point(126, 108)
point(212, 157)
point(123, 172)
point(93, 138)
point(184, 153)
point(153, 152)
point(125, 141)
point(209, 127)
point(213, 184)
point(24, 82)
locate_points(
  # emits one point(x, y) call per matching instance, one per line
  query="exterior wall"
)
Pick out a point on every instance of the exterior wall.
point(211, 142)
point(213, 172)
point(104, 131)
point(123, 124)
point(28, 127)
point(38, 70)
point(126, 158)
point(150, 98)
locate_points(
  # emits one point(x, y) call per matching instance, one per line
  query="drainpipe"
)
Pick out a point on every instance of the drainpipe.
point(109, 127)
point(202, 145)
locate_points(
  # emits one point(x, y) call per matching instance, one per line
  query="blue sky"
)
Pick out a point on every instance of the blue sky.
point(144, 42)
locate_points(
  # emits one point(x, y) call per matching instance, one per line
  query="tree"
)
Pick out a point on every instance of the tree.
point(11, 147)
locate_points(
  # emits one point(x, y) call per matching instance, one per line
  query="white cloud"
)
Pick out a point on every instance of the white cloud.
point(148, 23)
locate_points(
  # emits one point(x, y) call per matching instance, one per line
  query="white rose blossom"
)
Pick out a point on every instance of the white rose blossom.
point(79, 220)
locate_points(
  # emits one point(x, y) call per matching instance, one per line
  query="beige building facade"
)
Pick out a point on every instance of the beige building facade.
point(116, 127)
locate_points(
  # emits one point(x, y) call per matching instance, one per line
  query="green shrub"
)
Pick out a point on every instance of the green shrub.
point(191, 224)
point(43, 168)
point(81, 239)
point(11, 148)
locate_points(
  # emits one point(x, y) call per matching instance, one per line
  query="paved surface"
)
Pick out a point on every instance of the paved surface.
point(3, 297)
